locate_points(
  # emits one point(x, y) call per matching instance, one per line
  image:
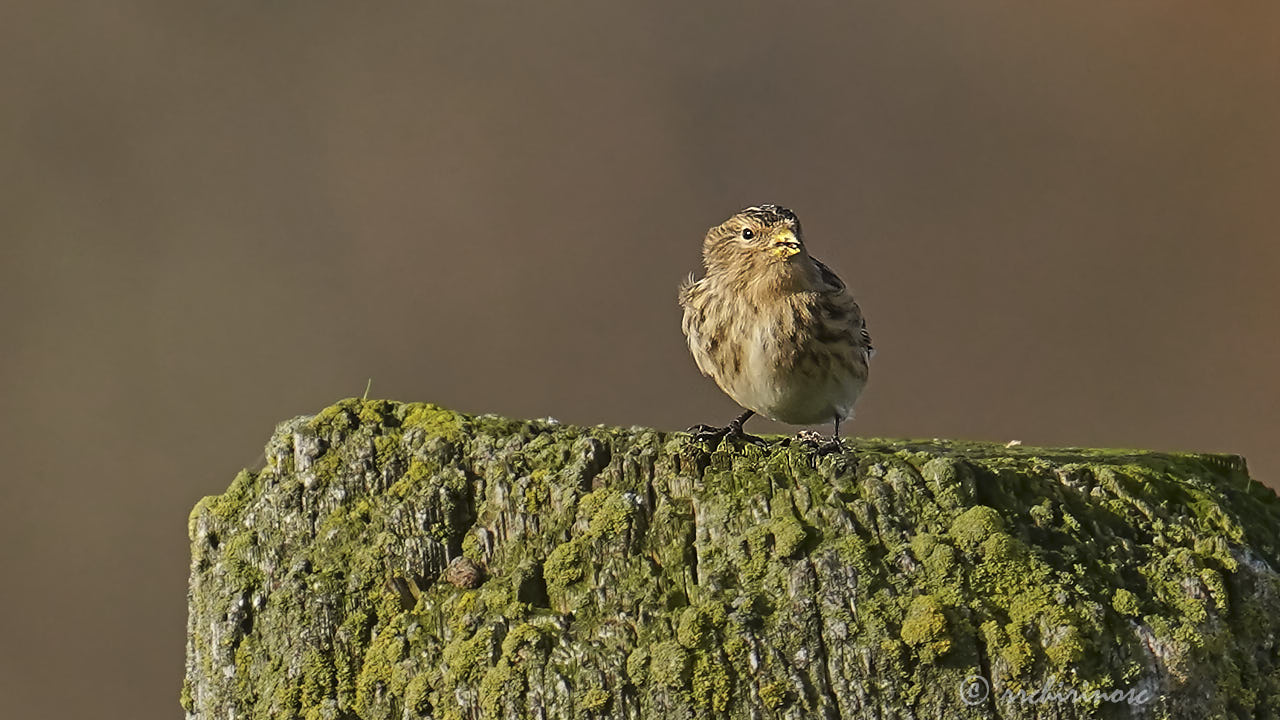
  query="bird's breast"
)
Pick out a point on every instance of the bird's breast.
point(776, 355)
point(789, 374)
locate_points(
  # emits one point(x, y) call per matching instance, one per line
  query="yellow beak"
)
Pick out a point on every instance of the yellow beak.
point(785, 244)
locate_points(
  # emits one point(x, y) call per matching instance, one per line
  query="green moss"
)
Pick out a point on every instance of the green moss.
point(239, 554)
point(499, 598)
point(1216, 586)
point(388, 450)
point(524, 639)
point(1008, 645)
point(1070, 524)
point(318, 678)
point(1064, 644)
point(976, 525)
point(337, 419)
point(435, 422)
point(669, 664)
point(246, 688)
point(375, 412)
point(1003, 548)
point(537, 493)
point(566, 564)
point(775, 695)
point(949, 479)
point(466, 659)
point(788, 536)
point(590, 503)
point(941, 562)
point(638, 665)
point(348, 656)
point(501, 682)
point(471, 547)
point(329, 465)
point(1125, 603)
point(610, 513)
point(735, 645)
point(700, 626)
point(414, 477)
point(854, 551)
point(1042, 514)
point(417, 695)
point(710, 683)
point(595, 700)
point(925, 628)
point(380, 672)
point(288, 700)
point(226, 509)
point(923, 544)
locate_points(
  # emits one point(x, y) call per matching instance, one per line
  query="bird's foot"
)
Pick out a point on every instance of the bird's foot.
point(732, 431)
point(811, 437)
point(820, 442)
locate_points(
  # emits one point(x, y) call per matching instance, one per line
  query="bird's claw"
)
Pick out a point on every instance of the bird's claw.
point(747, 437)
point(820, 442)
point(728, 432)
point(811, 437)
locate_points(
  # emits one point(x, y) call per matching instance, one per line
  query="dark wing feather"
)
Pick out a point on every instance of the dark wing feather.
point(829, 278)
point(835, 287)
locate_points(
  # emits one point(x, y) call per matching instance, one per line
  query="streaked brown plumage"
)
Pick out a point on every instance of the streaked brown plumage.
point(774, 327)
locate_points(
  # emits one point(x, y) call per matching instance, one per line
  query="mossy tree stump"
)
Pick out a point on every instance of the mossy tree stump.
point(640, 574)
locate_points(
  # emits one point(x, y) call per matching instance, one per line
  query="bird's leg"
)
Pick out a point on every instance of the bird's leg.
point(732, 431)
point(735, 428)
point(834, 443)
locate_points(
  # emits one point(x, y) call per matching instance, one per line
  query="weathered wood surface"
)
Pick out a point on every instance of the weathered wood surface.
point(629, 573)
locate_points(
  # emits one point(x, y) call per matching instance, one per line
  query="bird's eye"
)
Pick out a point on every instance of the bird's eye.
point(747, 234)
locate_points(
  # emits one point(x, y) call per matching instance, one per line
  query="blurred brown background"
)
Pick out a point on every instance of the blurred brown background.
point(1061, 220)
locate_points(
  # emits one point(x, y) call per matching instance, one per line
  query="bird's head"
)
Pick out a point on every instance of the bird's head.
point(756, 237)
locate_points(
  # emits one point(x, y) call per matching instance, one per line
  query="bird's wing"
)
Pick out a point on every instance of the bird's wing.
point(832, 281)
point(692, 299)
point(836, 293)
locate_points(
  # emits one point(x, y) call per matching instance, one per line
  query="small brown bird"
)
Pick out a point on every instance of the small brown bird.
point(773, 326)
